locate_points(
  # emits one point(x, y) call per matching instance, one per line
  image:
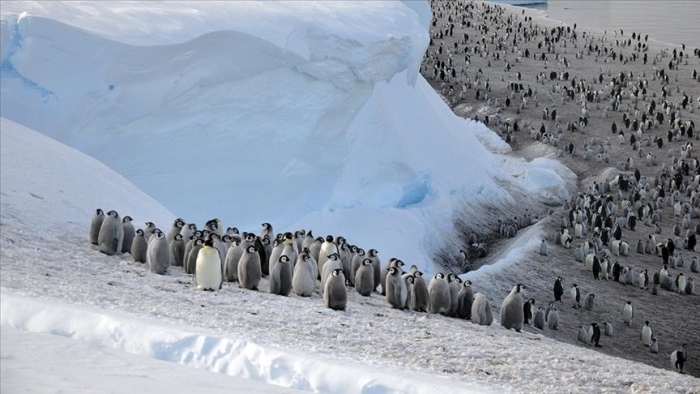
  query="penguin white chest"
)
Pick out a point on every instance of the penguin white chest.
point(208, 271)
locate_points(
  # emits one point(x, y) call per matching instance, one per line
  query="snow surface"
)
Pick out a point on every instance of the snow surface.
point(54, 282)
point(301, 114)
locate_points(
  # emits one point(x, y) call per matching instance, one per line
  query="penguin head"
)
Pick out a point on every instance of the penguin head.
point(113, 214)
point(284, 259)
point(288, 236)
point(139, 232)
point(127, 219)
point(226, 238)
point(266, 226)
point(234, 230)
point(393, 270)
point(150, 225)
point(265, 240)
point(468, 283)
point(210, 240)
point(373, 252)
point(178, 237)
point(250, 237)
point(319, 239)
point(341, 240)
point(439, 275)
point(198, 242)
point(410, 279)
point(178, 223)
point(333, 256)
point(252, 249)
point(646, 323)
point(329, 238)
point(360, 251)
point(99, 212)
point(367, 262)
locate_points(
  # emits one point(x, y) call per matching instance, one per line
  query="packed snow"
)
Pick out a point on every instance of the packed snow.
point(301, 114)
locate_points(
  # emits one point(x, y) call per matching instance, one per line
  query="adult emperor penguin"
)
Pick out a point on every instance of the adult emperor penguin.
point(396, 291)
point(539, 320)
point(177, 250)
point(481, 310)
point(594, 333)
point(249, 269)
point(304, 275)
point(129, 233)
point(627, 313)
point(97, 218)
point(553, 319)
point(281, 277)
point(575, 293)
point(454, 284)
point(646, 334)
point(439, 294)
point(558, 289)
point(327, 248)
point(158, 255)
point(679, 358)
point(176, 228)
point(421, 295)
point(209, 275)
point(233, 256)
point(608, 329)
point(334, 293)
point(191, 261)
point(465, 299)
point(512, 309)
point(364, 278)
point(527, 310)
point(139, 247)
point(111, 236)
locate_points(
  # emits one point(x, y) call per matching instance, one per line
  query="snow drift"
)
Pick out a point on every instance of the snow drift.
point(306, 115)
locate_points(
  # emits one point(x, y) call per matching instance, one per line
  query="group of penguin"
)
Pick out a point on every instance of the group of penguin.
point(294, 262)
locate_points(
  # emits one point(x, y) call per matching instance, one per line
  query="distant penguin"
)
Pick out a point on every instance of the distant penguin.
point(175, 229)
point(689, 286)
point(158, 254)
point(579, 254)
point(553, 320)
point(267, 231)
point(627, 313)
point(177, 250)
point(527, 310)
point(129, 233)
point(364, 278)
point(373, 255)
point(589, 301)
point(421, 296)
point(356, 262)
point(97, 218)
point(544, 248)
point(233, 256)
point(334, 293)
point(191, 261)
point(539, 320)
point(558, 289)
point(646, 334)
point(393, 262)
point(281, 277)
point(304, 275)
point(396, 291)
point(465, 300)
point(679, 358)
point(439, 295)
point(111, 236)
point(454, 284)
point(582, 335)
point(608, 329)
point(249, 269)
point(695, 265)
point(208, 275)
point(512, 310)
point(680, 283)
point(654, 348)
point(139, 247)
point(575, 296)
point(481, 310)
point(595, 335)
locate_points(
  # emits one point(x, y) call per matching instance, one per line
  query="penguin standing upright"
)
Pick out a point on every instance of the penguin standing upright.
point(646, 334)
point(304, 275)
point(327, 249)
point(177, 250)
point(527, 310)
point(575, 295)
point(334, 293)
point(191, 262)
point(421, 296)
point(233, 256)
point(111, 236)
point(558, 289)
point(175, 229)
point(249, 269)
point(512, 310)
point(281, 277)
point(627, 313)
point(95, 223)
point(139, 247)
point(595, 335)
point(454, 284)
point(481, 310)
point(539, 320)
point(129, 233)
point(158, 254)
point(608, 329)
point(396, 291)
point(679, 358)
point(209, 274)
point(654, 348)
point(465, 300)
point(553, 319)
point(439, 294)
point(364, 278)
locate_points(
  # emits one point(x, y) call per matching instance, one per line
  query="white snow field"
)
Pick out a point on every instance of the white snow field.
point(53, 282)
point(301, 114)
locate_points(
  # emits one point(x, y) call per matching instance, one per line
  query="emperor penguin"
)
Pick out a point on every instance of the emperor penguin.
point(158, 254)
point(332, 263)
point(396, 291)
point(249, 269)
point(689, 286)
point(420, 296)
point(304, 275)
point(233, 256)
point(465, 300)
point(579, 254)
point(681, 283)
point(594, 333)
point(111, 235)
point(334, 293)
point(175, 229)
point(373, 255)
point(627, 313)
point(356, 262)
point(267, 231)
point(544, 248)
point(454, 284)
point(281, 277)
point(582, 335)
point(191, 262)
point(208, 268)
point(553, 320)
point(308, 240)
point(558, 289)
point(364, 278)
point(187, 231)
point(139, 247)
point(589, 301)
point(527, 310)
point(512, 310)
point(276, 252)
point(646, 334)
point(215, 226)
point(327, 248)
point(149, 230)
point(177, 250)
point(679, 357)
point(575, 295)
point(608, 329)
point(129, 233)
point(538, 320)
point(393, 262)
point(439, 295)
point(315, 250)
point(695, 265)
point(481, 310)
point(654, 348)
point(97, 218)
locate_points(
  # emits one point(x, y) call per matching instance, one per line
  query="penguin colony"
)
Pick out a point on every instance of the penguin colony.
point(645, 204)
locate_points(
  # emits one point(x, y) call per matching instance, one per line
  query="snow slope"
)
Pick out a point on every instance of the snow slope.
point(53, 282)
point(302, 114)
